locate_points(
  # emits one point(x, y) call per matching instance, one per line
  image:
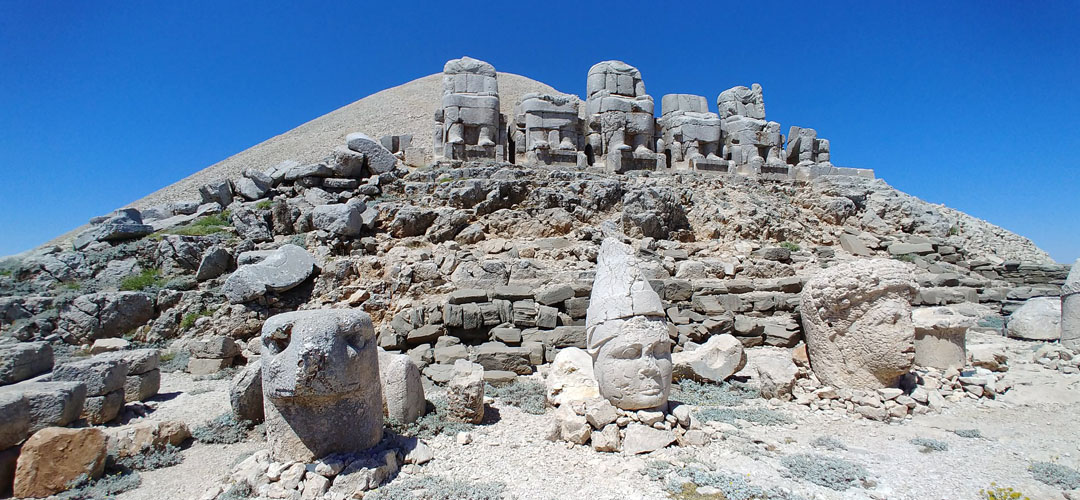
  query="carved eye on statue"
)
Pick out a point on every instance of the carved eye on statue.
point(627, 352)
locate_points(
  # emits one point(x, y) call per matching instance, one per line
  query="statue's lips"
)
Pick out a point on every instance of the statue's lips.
point(650, 392)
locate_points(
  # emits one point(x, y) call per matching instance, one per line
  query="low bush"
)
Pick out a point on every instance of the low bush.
point(237, 491)
point(223, 429)
point(929, 445)
point(530, 396)
point(832, 473)
point(722, 394)
point(264, 204)
point(998, 493)
point(189, 319)
point(172, 361)
point(828, 443)
point(204, 226)
point(147, 279)
point(436, 488)
point(107, 486)
point(760, 416)
point(151, 459)
point(794, 247)
point(1058, 475)
point(430, 425)
point(968, 433)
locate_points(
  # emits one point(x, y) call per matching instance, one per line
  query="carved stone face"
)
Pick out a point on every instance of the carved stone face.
point(317, 355)
point(633, 367)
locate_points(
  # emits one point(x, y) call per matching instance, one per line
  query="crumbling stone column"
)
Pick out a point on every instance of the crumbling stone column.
point(321, 388)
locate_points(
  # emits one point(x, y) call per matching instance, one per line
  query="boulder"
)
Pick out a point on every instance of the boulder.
point(1038, 319)
point(340, 219)
point(572, 427)
point(714, 361)
point(642, 439)
point(251, 224)
point(856, 317)
point(124, 224)
point(280, 271)
point(101, 346)
point(571, 378)
point(101, 374)
point(246, 393)
point(24, 360)
point(465, 393)
point(254, 184)
point(133, 439)
point(774, 371)
point(219, 192)
point(105, 314)
point(55, 457)
point(215, 262)
point(379, 159)
point(402, 388)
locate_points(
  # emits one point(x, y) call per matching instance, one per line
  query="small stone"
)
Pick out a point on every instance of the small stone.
point(642, 439)
point(464, 438)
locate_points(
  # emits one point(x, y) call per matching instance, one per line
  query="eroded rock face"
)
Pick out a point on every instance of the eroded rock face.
point(627, 334)
point(104, 314)
point(319, 372)
point(857, 320)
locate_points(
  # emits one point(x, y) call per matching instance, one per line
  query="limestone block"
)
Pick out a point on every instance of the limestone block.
point(24, 360)
point(714, 361)
point(207, 366)
point(940, 334)
point(133, 439)
point(14, 418)
point(282, 270)
point(101, 374)
point(142, 387)
point(320, 368)
point(98, 410)
point(340, 219)
point(500, 357)
point(55, 457)
point(379, 159)
point(246, 393)
point(1070, 309)
point(641, 439)
point(571, 378)
point(857, 321)
point(465, 393)
point(572, 427)
point(51, 404)
point(402, 388)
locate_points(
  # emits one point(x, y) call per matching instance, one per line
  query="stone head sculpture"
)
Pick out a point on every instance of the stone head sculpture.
point(320, 383)
point(857, 320)
point(627, 335)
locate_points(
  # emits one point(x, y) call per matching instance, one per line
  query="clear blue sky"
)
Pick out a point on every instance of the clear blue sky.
point(970, 104)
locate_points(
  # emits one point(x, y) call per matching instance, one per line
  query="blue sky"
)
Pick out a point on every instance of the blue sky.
point(970, 104)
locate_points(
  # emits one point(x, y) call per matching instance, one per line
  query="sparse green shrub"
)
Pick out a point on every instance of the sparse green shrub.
point(998, 493)
point(174, 361)
point(431, 424)
point(152, 458)
point(237, 491)
point(223, 429)
point(436, 488)
point(683, 483)
point(148, 278)
point(794, 247)
point(760, 416)
point(73, 285)
point(929, 445)
point(204, 226)
point(833, 473)
point(656, 469)
point(828, 443)
point(907, 257)
point(954, 230)
point(264, 204)
point(530, 396)
point(995, 322)
point(968, 433)
point(1058, 475)
point(189, 319)
point(723, 394)
point(107, 486)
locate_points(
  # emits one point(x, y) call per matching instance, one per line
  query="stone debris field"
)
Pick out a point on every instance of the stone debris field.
point(529, 295)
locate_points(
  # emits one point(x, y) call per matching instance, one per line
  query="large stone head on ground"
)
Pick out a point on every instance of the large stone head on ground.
point(320, 375)
point(628, 337)
point(857, 320)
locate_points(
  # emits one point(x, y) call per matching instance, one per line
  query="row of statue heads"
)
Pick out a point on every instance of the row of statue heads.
point(617, 127)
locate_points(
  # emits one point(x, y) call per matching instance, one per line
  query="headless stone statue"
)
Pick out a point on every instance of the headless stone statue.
point(468, 123)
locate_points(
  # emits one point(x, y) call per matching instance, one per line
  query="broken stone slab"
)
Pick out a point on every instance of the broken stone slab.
point(554, 294)
point(140, 437)
point(101, 374)
point(853, 245)
point(101, 346)
point(572, 427)
point(14, 418)
point(379, 159)
point(714, 361)
point(142, 386)
point(246, 393)
point(340, 219)
point(641, 439)
point(105, 314)
point(24, 360)
point(207, 366)
point(280, 271)
point(215, 262)
point(500, 357)
point(137, 360)
point(468, 295)
point(55, 457)
point(571, 378)
point(217, 346)
point(124, 224)
point(98, 410)
point(50, 404)
point(940, 337)
point(402, 388)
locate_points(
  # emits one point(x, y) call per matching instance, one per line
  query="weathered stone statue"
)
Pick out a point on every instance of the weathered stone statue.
point(549, 129)
point(620, 122)
point(320, 384)
point(690, 133)
point(627, 334)
point(856, 317)
point(750, 142)
point(469, 126)
point(805, 149)
point(1070, 309)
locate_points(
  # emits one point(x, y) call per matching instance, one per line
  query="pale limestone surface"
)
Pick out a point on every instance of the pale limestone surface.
point(1070, 308)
